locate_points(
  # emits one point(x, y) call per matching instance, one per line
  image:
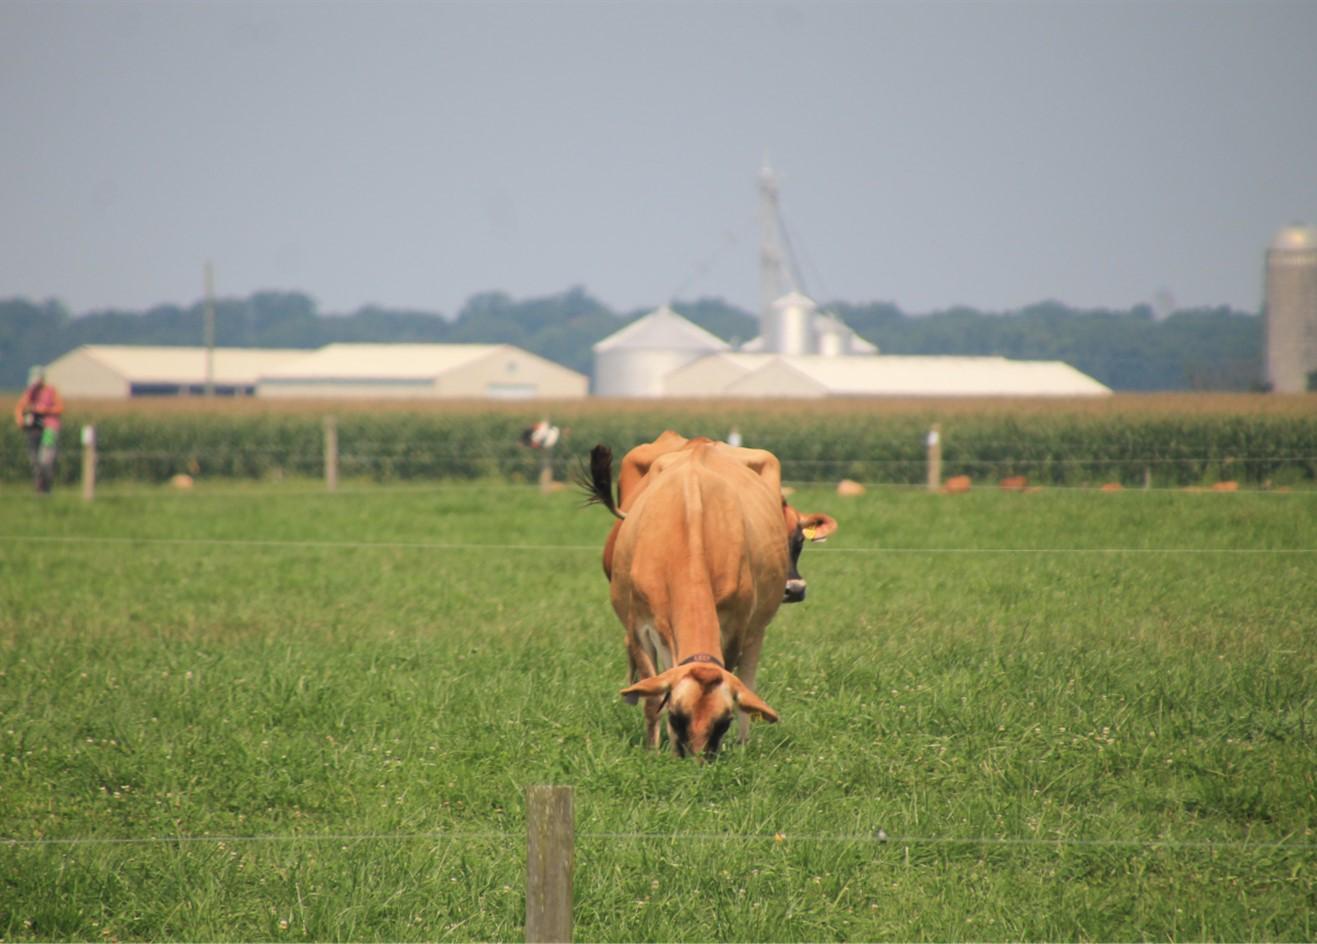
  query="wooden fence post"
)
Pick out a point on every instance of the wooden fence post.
point(88, 463)
point(331, 454)
point(546, 471)
point(550, 854)
point(935, 457)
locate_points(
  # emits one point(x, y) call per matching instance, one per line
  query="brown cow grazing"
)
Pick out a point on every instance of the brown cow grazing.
point(631, 481)
point(697, 566)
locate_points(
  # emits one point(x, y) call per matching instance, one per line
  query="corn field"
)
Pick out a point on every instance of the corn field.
point(1170, 441)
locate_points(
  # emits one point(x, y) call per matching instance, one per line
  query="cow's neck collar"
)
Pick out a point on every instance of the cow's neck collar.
point(703, 657)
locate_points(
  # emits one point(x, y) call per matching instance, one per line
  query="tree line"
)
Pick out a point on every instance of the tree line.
point(1198, 349)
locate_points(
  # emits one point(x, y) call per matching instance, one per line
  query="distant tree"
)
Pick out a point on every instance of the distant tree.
point(29, 333)
point(1217, 348)
point(718, 317)
point(373, 323)
point(1206, 349)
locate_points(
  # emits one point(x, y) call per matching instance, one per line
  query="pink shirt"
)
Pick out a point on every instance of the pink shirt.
point(46, 403)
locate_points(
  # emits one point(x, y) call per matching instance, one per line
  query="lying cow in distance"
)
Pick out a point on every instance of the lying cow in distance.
point(697, 564)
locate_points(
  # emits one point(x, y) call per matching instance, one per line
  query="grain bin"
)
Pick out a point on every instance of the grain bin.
point(788, 326)
point(635, 361)
point(1291, 309)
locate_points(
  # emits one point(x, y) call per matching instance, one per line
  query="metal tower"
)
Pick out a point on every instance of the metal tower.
point(775, 278)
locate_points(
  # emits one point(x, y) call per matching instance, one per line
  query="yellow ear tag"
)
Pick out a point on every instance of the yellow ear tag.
point(809, 533)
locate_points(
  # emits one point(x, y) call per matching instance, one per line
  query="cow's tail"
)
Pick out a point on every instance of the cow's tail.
point(597, 481)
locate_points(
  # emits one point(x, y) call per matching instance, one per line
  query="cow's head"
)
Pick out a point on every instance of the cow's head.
point(802, 528)
point(701, 700)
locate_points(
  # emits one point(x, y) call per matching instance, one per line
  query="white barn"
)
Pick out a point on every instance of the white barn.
point(447, 371)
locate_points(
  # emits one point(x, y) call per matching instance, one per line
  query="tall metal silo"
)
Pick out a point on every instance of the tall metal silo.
point(789, 327)
point(1291, 309)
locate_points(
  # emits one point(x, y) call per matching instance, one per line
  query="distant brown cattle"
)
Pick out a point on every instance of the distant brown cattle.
point(849, 488)
point(957, 485)
point(697, 567)
point(1013, 483)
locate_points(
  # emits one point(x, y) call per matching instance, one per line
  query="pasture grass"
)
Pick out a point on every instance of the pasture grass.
point(271, 713)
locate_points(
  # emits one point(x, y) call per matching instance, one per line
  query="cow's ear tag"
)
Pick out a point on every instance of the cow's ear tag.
point(809, 533)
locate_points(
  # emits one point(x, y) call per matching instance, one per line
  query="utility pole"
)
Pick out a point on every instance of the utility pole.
point(210, 330)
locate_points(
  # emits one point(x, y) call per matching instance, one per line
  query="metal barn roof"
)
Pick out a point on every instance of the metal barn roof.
point(383, 361)
point(662, 329)
point(886, 375)
point(165, 364)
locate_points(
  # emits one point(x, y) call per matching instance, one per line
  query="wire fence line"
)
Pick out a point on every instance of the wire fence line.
point(876, 837)
point(408, 452)
point(497, 463)
point(464, 547)
point(903, 461)
point(269, 488)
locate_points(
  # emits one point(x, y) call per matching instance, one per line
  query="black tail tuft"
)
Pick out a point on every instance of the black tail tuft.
point(597, 481)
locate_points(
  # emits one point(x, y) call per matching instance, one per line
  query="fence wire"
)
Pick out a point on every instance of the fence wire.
point(595, 548)
point(878, 837)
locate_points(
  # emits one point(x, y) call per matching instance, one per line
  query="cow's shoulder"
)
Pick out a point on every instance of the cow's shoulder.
point(638, 462)
point(748, 465)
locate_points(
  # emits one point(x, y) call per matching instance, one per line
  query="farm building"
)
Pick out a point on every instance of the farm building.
point(812, 376)
point(805, 353)
point(121, 371)
point(802, 351)
point(450, 371)
point(337, 370)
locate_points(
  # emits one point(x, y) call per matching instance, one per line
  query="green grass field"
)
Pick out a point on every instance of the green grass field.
point(270, 713)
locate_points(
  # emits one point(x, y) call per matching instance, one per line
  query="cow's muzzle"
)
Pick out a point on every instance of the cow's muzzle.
point(795, 590)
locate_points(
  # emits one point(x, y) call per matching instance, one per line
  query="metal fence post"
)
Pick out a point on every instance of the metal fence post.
point(550, 854)
point(88, 463)
point(935, 457)
point(331, 454)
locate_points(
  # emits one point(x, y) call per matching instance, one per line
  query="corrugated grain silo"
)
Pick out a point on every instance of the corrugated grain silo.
point(1291, 309)
point(635, 361)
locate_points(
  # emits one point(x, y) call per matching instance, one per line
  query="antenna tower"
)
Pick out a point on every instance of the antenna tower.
point(775, 278)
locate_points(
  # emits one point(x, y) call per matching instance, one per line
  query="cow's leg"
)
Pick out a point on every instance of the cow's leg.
point(653, 711)
point(642, 667)
point(746, 666)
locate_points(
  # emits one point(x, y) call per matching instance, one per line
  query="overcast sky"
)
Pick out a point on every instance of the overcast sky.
point(413, 154)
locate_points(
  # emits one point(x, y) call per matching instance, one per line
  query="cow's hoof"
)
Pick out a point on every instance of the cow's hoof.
point(795, 591)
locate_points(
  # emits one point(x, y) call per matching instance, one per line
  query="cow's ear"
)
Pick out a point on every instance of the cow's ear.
point(752, 704)
point(646, 688)
point(818, 526)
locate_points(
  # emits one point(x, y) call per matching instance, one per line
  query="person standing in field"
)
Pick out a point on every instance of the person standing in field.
point(38, 414)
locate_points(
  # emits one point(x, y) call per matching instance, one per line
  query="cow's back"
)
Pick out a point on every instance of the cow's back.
point(702, 542)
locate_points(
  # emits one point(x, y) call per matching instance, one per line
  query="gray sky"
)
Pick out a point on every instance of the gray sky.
point(413, 154)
